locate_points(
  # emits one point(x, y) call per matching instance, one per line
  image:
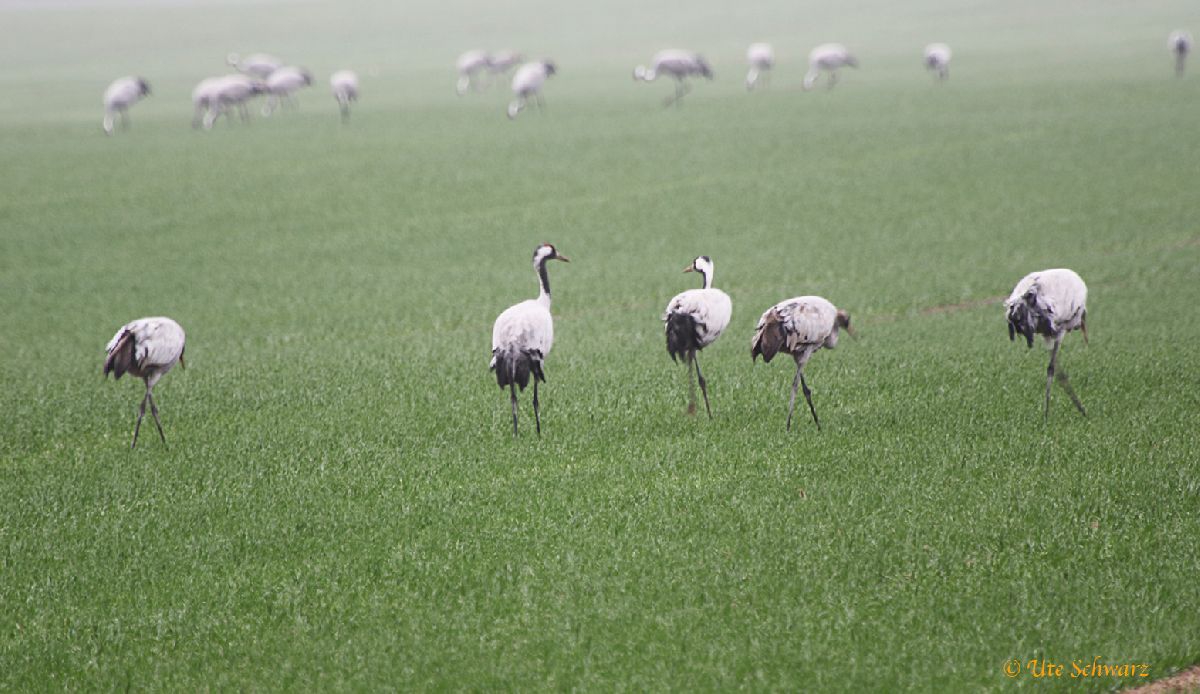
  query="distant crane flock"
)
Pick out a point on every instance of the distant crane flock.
point(262, 73)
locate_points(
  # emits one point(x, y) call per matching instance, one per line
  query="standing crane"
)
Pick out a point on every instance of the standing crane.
point(522, 337)
point(694, 320)
point(527, 82)
point(761, 58)
point(937, 60)
point(799, 327)
point(345, 89)
point(828, 57)
point(1050, 303)
point(120, 95)
point(678, 64)
point(1180, 43)
point(147, 348)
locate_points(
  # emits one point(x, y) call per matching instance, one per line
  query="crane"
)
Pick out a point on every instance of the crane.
point(695, 319)
point(799, 327)
point(147, 348)
point(523, 335)
point(1050, 303)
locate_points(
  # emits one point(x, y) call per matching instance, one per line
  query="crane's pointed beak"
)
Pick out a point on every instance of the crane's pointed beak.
point(563, 258)
point(851, 332)
point(182, 363)
point(689, 268)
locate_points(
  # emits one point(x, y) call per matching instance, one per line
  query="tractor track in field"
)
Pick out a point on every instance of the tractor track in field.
point(1183, 681)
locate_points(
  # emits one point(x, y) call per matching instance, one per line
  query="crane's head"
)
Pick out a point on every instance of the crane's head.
point(703, 67)
point(851, 60)
point(702, 264)
point(546, 252)
point(308, 78)
point(842, 320)
point(143, 87)
point(551, 68)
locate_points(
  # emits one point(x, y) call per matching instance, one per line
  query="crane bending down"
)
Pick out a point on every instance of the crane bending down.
point(470, 66)
point(695, 319)
point(761, 58)
point(259, 65)
point(1050, 303)
point(120, 95)
point(937, 60)
point(147, 348)
point(799, 327)
point(828, 57)
point(527, 82)
point(522, 337)
point(282, 84)
point(1180, 43)
point(678, 64)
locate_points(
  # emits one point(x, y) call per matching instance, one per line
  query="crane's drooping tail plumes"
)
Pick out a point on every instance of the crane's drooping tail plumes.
point(769, 339)
point(120, 359)
point(1027, 318)
point(514, 367)
point(683, 338)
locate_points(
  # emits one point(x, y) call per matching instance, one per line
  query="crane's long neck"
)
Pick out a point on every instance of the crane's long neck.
point(708, 277)
point(543, 283)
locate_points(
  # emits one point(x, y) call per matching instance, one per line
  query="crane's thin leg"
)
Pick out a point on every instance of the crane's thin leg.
point(808, 397)
point(1050, 375)
point(154, 412)
point(792, 402)
point(141, 413)
point(537, 415)
point(541, 102)
point(124, 119)
point(691, 384)
point(512, 389)
point(1061, 376)
point(832, 78)
point(703, 384)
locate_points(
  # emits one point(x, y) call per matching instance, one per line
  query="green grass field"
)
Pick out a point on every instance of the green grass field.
point(343, 506)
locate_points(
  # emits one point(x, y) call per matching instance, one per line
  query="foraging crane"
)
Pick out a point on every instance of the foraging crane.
point(678, 64)
point(527, 82)
point(828, 57)
point(522, 336)
point(1180, 43)
point(937, 59)
point(345, 89)
point(120, 95)
point(1050, 303)
point(761, 58)
point(259, 65)
point(501, 62)
point(147, 348)
point(213, 96)
point(695, 319)
point(282, 83)
point(799, 327)
point(469, 66)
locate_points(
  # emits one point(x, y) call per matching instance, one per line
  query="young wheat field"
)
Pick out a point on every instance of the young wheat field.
point(343, 506)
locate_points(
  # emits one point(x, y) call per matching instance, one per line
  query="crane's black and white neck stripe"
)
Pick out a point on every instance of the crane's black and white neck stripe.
point(704, 266)
point(543, 253)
